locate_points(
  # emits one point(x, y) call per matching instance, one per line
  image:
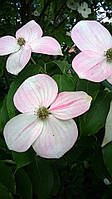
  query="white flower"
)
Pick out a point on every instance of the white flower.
point(110, 20)
point(106, 181)
point(36, 13)
point(68, 33)
point(72, 4)
point(84, 10)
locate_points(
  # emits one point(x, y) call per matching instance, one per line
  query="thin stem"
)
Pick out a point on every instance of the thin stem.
point(43, 70)
point(9, 161)
point(6, 78)
point(33, 61)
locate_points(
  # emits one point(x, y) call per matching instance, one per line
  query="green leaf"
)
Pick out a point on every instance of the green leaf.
point(57, 183)
point(3, 114)
point(5, 154)
point(10, 105)
point(24, 158)
point(51, 68)
point(64, 66)
point(41, 175)
point(92, 121)
point(7, 177)
point(65, 82)
point(4, 194)
point(98, 165)
point(107, 156)
point(3, 145)
point(23, 184)
point(107, 84)
point(82, 150)
point(2, 66)
point(91, 88)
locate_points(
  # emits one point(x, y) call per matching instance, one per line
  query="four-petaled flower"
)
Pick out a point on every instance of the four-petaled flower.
point(46, 121)
point(84, 10)
point(94, 63)
point(28, 39)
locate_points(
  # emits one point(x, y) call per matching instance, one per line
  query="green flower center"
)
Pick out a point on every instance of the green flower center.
point(109, 54)
point(21, 41)
point(43, 113)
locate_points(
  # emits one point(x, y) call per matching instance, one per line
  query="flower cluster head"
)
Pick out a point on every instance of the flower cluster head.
point(28, 39)
point(94, 63)
point(46, 120)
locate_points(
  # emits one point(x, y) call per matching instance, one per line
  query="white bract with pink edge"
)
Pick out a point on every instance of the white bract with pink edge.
point(94, 63)
point(28, 39)
point(46, 121)
point(108, 128)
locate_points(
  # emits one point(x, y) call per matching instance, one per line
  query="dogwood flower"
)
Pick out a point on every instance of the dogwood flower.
point(28, 39)
point(108, 128)
point(46, 121)
point(94, 63)
point(84, 10)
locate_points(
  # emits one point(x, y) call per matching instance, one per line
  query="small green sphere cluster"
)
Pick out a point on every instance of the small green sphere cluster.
point(43, 113)
point(109, 54)
point(21, 41)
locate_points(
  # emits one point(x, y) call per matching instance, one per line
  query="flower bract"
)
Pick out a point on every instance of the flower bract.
point(108, 128)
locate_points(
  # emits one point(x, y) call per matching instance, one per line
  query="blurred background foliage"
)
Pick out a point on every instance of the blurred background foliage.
point(86, 170)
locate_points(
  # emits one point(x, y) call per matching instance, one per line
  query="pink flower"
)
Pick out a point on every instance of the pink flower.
point(46, 121)
point(28, 39)
point(94, 63)
point(108, 128)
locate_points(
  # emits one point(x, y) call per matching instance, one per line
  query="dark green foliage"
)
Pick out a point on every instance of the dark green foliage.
point(24, 158)
point(4, 193)
point(92, 121)
point(7, 177)
point(65, 82)
point(23, 184)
